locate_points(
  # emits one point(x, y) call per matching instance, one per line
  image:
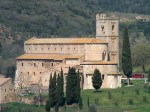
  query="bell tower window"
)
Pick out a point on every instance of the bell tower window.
point(113, 27)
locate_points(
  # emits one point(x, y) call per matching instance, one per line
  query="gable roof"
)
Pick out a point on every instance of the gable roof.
point(65, 41)
point(4, 80)
point(47, 57)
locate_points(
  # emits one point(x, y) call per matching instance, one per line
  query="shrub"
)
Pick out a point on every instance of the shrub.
point(137, 90)
point(144, 99)
point(122, 92)
point(92, 108)
point(149, 89)
point(116, 104)
point(130, 101)
point(96, 101)
point(109, 95)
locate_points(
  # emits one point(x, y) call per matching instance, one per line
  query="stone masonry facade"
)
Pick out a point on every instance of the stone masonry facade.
point(44, 56)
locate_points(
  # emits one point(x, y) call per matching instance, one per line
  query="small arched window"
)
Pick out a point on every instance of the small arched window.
point(103, 77)
point(102, 27)
point(52, 64)
point(113, 27)
point(34, 64)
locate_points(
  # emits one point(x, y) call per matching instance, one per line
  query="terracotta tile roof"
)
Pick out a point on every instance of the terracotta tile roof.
point(4, 80)
point(65, 41)
point(48, 56)
point(99, 63)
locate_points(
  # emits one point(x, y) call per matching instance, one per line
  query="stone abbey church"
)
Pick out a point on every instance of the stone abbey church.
point(43, 56)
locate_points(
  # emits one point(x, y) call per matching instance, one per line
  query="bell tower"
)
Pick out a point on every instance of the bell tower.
point(107, 29)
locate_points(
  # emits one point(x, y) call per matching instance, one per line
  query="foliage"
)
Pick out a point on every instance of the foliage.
point(144, 99)
point(130, 101)
point(126, 55)
point(60, 89)
point(96, 79)
point(71, 86)
point(137, 90)
point(92, 108)
point(78, 90)
point(80, 103)
point(11, 72)
point(141, 54)
point(88, 102)
point(149, 76)
point(109, 95)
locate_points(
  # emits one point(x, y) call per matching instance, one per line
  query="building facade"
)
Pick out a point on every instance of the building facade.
point(44, 56)
point(5, 90)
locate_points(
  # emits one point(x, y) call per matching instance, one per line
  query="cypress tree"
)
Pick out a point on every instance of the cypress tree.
point(51, 92)
point(49, 102)
point(61, 87)
point(54, 89)
point(126, 56)
point(96, 79)
point(78, 90)
point(68, 95)
point(47, 107)
point(71, 86)
point(149, 76)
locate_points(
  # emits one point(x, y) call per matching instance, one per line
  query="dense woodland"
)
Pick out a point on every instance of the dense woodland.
point(21, 19)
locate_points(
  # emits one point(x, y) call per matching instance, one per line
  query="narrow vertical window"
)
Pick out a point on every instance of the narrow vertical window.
point(22, 64)
point(34, 64)
point(42, 64)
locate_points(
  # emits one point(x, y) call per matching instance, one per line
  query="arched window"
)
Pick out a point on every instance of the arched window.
point(103, 77)
point(103, 55)
point(113, 27)
point(34, 64)
point(102, 28)
point(42, 64)
point(52, 64)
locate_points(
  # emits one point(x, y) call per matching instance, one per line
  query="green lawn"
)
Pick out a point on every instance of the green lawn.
point(117, 103)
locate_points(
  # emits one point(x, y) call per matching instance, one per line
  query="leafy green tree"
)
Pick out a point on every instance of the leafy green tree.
point(141, 54)
point(96, 79)
point(126, 56)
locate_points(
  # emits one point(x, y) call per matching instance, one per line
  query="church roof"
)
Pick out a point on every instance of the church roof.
point(4, 80)
point(47, 57)
point(65, 41)
point(99, 63)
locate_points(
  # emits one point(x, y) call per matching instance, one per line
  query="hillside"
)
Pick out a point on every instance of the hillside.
point(21, 19)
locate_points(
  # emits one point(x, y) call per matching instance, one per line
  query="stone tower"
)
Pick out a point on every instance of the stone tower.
point(107, 29)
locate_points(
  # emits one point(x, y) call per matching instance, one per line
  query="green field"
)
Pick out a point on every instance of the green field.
point(117, 102)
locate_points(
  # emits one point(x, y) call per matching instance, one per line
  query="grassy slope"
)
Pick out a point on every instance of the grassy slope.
point(105, 104)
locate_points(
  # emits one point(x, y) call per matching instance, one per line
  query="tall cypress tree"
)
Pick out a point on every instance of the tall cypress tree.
point(126, 56)
point(71, 86)
point(96, 79)
point(149, 76)
point(61, 89)
point(68, 86)
point(49, 102)
point(54, 89)
point(78, 90)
